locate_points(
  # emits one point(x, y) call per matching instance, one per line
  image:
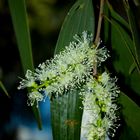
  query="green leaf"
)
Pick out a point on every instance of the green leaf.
point(19, 19)
point(122, 58)
point(132, 68)
point(66, 115)
point(134, 31)
point(106, 25)
point(118, 20)
point(131, 115)
point(21, 28)
point(4, 89)
point(123, 48)
point(80, 18)
point(117, 17)
point(136, 2)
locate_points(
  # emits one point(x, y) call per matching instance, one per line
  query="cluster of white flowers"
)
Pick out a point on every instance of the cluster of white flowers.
point(99, 96)
point(65, 71)
point(71, 69)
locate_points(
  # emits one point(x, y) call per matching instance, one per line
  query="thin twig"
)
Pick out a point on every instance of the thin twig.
point(97, 38)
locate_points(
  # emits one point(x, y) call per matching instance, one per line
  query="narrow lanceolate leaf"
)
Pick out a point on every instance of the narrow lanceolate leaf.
point(117, 17)
point(136, 2)
point(123, 48)
point(65, 110)
point(123, 35)
point(4, 89)
point(125, 45)
point(134, 31)
point(125, 38)
point(131, 125)
point(132, 68)
point(80, 18)
point(122, 45)
point(124, 24)
point(19, 19)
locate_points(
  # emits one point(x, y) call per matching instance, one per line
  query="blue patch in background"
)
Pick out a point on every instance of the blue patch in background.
point(22, 125)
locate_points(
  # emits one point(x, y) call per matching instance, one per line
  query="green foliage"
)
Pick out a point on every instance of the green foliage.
point(66, 114)
point(134, 31)
point(131, 115)
point(123, 45)
point(19, 19)
point(4, 89)
point(80, 18)
point(123, 37)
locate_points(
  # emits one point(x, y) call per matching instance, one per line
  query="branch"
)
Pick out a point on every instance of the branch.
point(97, 38)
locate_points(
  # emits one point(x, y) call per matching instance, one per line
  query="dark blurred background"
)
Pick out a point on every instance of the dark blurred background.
point(45, 19)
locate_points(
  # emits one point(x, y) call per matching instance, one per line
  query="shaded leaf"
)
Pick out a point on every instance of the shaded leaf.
point(132, 68)
point(117, 17)
point(118, 20)
point(123, 56)
point(136, 2)
point(123, 48)
point(131, 115)
point(4, 89)
point(134, 31)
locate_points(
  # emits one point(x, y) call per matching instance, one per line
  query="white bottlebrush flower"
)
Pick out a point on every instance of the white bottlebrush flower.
point(66, 70)
point(99, 107)
point(29, 81)
point(73, 68)
point(104, 78)
point(35, 96)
